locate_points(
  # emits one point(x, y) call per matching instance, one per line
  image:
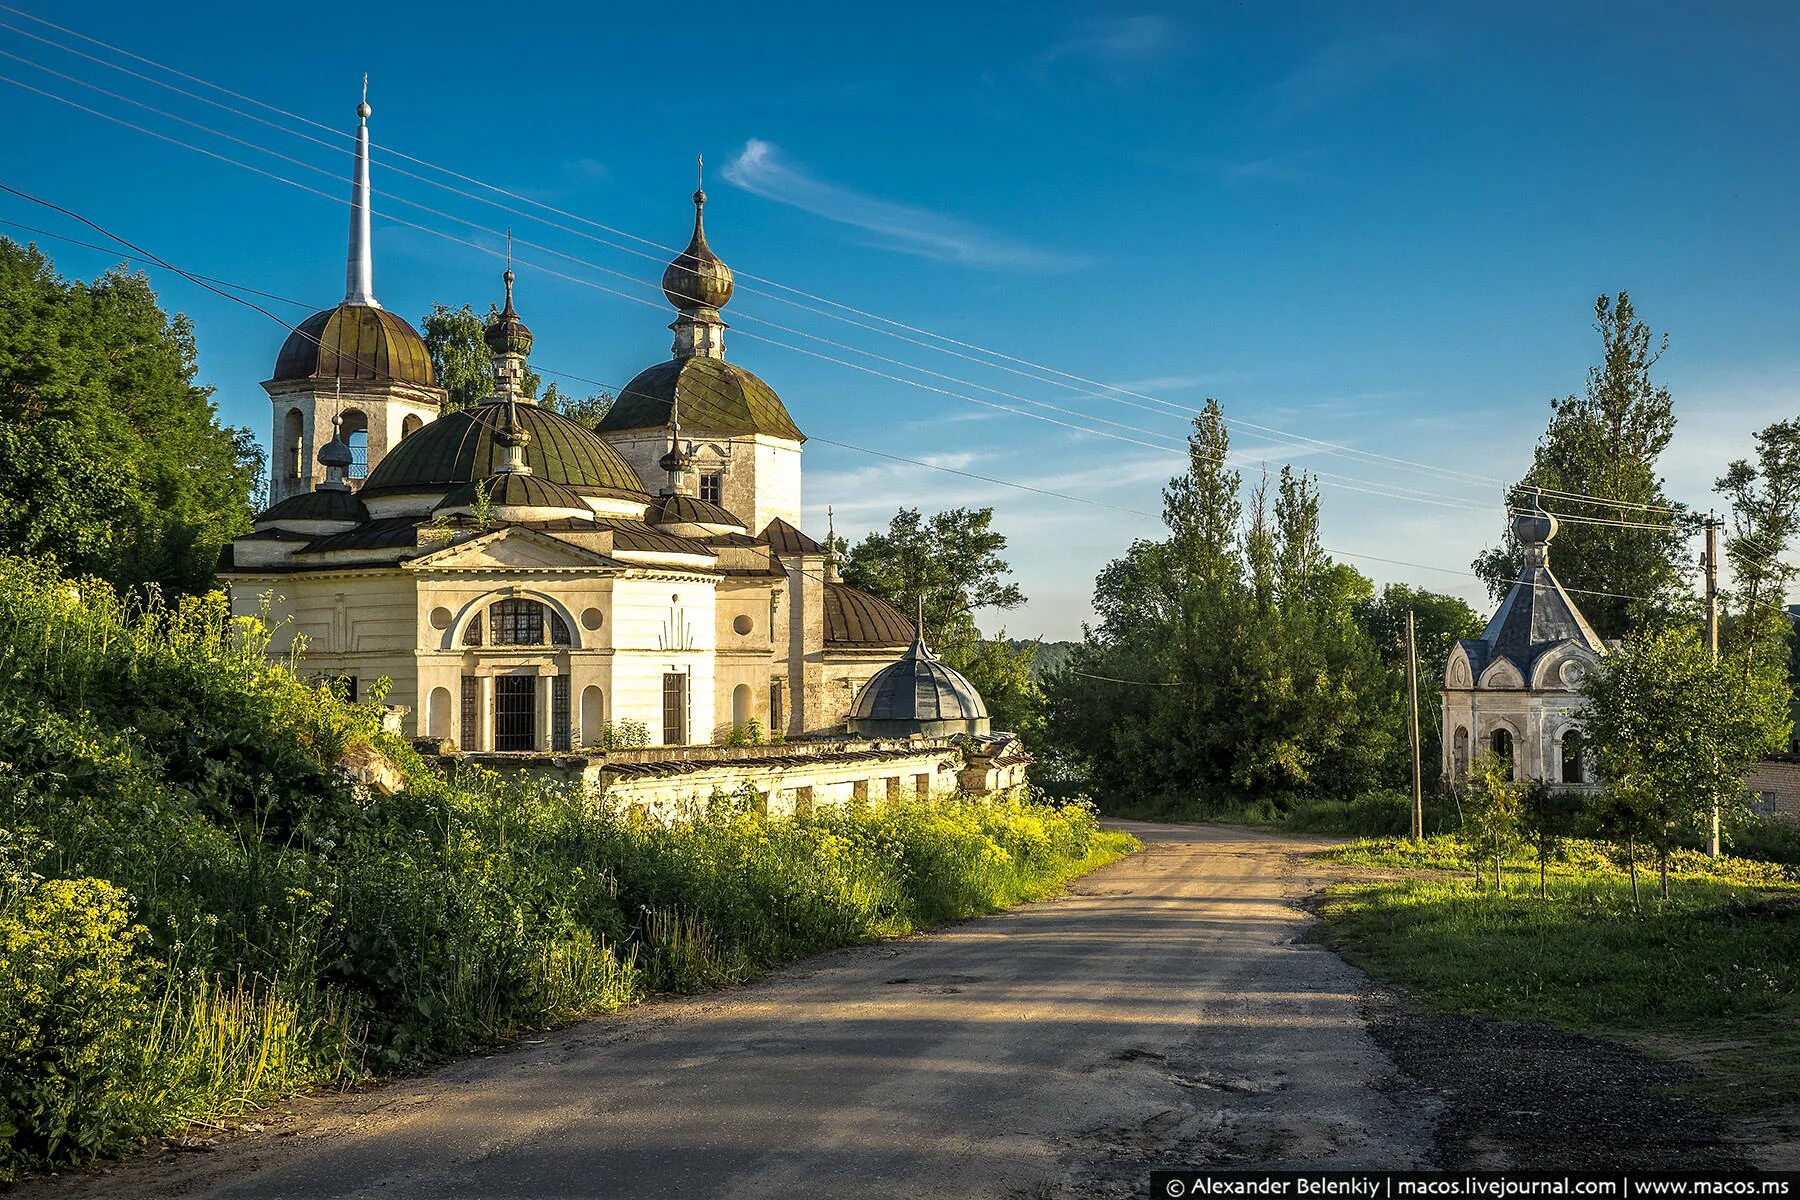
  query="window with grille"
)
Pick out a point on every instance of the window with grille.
point(517, 623)
point(515, 712)
point(674, 709)
point(777, 710)
point(561, 737)
point(472, 635)
point(559, 630)
point(712, 487)
point(471, 708)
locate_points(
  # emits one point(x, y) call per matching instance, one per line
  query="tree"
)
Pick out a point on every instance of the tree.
point(1765, 511)
point(112, 460)
point(1675, 732)
point(1606, 443)
point(953, 563)
point(1438, 622)
point(460, 355)
point(1491, 814)
point(588, 409)
point(1547, 815)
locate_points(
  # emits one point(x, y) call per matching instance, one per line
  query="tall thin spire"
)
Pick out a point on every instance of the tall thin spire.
point(359, 267)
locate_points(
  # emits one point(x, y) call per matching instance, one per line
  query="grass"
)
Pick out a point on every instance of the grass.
point(1718, 963)
point(198, 913)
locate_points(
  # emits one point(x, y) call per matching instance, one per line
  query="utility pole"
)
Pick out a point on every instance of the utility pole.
point(1711, 564)
point(1412, 701)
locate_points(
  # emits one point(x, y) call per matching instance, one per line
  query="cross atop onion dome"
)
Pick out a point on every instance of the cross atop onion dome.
point(1533, 527)
point(510, 341)
point(697, 279)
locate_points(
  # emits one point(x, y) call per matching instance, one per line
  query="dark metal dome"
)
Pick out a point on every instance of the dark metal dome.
point(506, 333)
point(697, 279)
point(465, 446)
point(713, 396)
point(323, 505)
point(690, 510)
point(855, 618)
point(357, 344)
point(918, 695)
point(514, 489)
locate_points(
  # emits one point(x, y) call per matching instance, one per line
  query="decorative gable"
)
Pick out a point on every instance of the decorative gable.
point(514, 548)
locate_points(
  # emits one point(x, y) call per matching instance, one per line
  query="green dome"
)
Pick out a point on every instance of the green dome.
point(358, 344)
point(323, 505)
point(715, 397)
point(461, 447)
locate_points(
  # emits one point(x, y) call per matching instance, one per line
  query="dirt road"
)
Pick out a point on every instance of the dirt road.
point(1159, 1013)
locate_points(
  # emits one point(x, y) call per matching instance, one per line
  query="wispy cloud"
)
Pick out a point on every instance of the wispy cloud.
point(761, 169)
point(1346, 68)
point(1117, 42)
point(586, 168)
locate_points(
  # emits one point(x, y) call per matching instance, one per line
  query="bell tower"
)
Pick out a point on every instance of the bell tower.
point(356, 368)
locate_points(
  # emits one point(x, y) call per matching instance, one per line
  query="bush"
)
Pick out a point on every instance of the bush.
point(1772, 839)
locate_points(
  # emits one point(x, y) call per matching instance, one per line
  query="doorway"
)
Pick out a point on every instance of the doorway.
point(515, 712)
point(675, 709)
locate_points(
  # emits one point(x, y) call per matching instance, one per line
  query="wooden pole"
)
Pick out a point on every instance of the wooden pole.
point(1412, 701)
point(1712, 639)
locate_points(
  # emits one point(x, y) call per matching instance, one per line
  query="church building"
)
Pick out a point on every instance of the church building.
point(528, 583)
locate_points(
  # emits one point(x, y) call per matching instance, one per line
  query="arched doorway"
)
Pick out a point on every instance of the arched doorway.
point(1459, 754)
point(410, 424)
point(293, 443)
point(354, 429)
point(437, 714)
point(1574, 758)
point(1500, 744)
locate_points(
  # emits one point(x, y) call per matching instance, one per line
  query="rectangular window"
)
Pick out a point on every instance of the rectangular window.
point(922, 785)
point(515, 712)
point(674, 709)
point(712, 487)
point(892, 787)
point(560, 735)
point(803, 802)
point(471, 713)
point(1764, 804)
point(859, 791)
point(778, 707)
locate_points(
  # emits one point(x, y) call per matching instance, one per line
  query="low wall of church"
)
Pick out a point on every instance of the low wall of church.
point(673, 783)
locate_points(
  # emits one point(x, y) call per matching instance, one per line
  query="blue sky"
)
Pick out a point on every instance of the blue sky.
point(1377, 225)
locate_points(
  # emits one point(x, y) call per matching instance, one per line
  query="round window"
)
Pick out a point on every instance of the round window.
point(590, 619)
point(742, 624)
point(440, 618)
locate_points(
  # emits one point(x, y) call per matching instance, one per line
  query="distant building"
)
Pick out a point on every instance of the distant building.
point(1515, 690)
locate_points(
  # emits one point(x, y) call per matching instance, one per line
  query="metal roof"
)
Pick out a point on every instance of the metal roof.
point(920, 689)
point(855, 618)
point(783, 538)
point(715, 397)
point(512, 489)
point(689, 510)
point(358, 344)
point(325, 505)
point(461, 447)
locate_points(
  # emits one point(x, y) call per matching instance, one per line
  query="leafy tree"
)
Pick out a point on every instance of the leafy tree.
point(1547, 815)
point(1765, 512)
point(587, 409)
point(1492, 813)
point(1438, 622)
point(1675, 732)
point(953, 563)
point(112, 460)
point(460, 355)
point(1606, 443)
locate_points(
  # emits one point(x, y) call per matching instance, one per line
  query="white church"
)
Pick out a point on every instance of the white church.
point(524, 581)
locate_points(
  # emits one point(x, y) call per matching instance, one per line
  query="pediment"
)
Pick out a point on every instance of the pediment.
point(513, 548)
point(1457, 671)
point(1502, 674)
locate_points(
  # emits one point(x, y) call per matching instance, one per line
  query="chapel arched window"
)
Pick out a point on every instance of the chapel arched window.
point(1574, 763)
point(526, 623)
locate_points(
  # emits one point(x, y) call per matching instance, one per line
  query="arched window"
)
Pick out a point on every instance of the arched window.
point(1500, 742)
point(411, 424)
point(1574, 761)
point(526, 623)
point(293, 441)
point(740, 705)
point(593, 715)
point(1459, 753)
point(472, 636)
point(355, 432)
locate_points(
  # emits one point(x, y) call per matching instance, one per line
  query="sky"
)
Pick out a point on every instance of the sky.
point(1381, 227)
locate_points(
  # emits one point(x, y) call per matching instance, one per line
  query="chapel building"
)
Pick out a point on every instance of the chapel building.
point(1515, 691)
point(526, 582)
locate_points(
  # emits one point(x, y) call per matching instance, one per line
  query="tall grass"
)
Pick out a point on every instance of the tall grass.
point(198, 912)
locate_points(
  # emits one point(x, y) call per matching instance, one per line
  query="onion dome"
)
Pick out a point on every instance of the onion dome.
point(918, 695)
point(506, 333)
point(516, 496)
point(691, 516)
point(697, 279)
point(853, 618)
point(323, 505)
point(336, 453)
point(464, 446)
point(1533, 526)
point(714, 397)
point(357, 344)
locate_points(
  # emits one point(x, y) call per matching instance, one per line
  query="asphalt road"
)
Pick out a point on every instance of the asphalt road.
point(1159, 1013)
